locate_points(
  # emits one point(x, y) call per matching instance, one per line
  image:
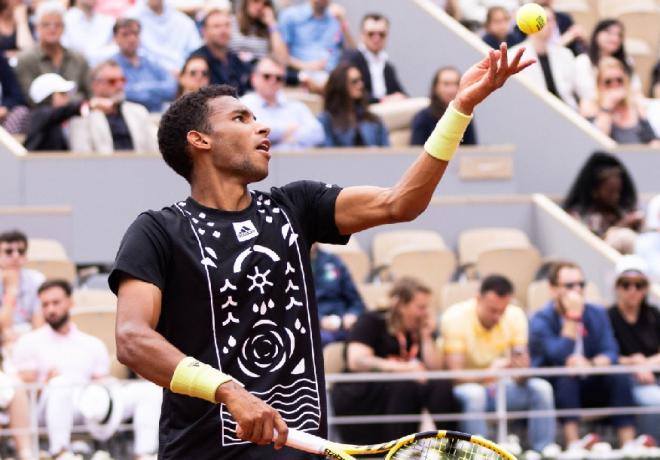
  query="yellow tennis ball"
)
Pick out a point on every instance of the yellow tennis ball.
point(531, 18)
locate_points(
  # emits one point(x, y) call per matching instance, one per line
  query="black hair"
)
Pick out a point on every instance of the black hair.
point(594, 50)
point(14, 236)
point(56, 283)
point(375, 17)
point(438, 106)
point(556, 267)
point(343, 109)
point(598, 167)
point(498, 284)
point(125, 22)
point(188, 113)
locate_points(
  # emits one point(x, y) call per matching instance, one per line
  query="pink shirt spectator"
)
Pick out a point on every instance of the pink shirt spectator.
point(114, 8)
point(76, 355)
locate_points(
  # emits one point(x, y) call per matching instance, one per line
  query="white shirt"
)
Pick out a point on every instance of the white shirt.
point(89, 36)
point(376, 64)
point(76, 355)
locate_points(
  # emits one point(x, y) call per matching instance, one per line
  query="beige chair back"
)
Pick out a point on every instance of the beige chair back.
point(453, 293)
point(353, 256)
point(519, 265)
point(374, 295)
point(473, 242)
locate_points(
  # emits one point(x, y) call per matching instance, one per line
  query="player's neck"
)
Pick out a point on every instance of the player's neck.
point(223, 195)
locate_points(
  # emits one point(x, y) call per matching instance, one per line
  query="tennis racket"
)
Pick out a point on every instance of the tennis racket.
point(429, 445)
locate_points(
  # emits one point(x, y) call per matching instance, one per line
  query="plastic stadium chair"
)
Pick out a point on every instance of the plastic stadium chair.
point(458, 292)
point(353, 256)
point(385, 244)
point(50, 258)
point(374, 295)
point(473, 242)
point(518, 264)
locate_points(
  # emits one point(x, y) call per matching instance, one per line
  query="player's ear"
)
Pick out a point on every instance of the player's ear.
point(199, 140)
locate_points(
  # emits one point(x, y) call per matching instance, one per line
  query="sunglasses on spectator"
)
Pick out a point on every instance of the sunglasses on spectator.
point(574, 284)
point(355, 81)
point(113, 81)
point(639, 285)
point(618, 81)
point(373, 33)
point(268, 76)
point(198, 73)
point(19, 251)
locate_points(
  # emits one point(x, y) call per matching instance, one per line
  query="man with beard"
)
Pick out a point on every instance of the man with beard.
point(113, 124)
point(61, 357)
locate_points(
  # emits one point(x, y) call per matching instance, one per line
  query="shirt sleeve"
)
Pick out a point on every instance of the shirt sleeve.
point(23, 357)
point(364, 331)
point(143, 253)
point(101, 360)
point(453, 337)
point(519, 327)
point(313, 204)
point(547, 348)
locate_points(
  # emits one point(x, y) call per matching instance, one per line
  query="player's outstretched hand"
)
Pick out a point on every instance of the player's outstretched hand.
point(480, 80)
point(257, 421)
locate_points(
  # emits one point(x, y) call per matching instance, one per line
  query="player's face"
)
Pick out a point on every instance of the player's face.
point(12, 255)
point(55, 306)
point(631, 289)
point(491, 307)
point(239, 143)
point(416, 312)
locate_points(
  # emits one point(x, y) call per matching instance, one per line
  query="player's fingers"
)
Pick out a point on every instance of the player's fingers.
point(524, 65)
point(267, 431)
point(492, 68)
point(257, 431)
point(516, 59)
point(504, 63)
point(282, 432)
point(244, 430)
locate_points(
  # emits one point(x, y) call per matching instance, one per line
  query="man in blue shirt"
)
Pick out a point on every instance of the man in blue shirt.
point(572, 333)
point(147, 83)
point(224, 65)
point(339, 303)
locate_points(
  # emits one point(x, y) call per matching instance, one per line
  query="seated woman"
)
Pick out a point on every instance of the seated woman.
point(346, 119)
point(603, 197)
point(401, 339)
point(615, 110)
point(194, 75)
point(15, 32)
point(443, 89)
point(255, 33)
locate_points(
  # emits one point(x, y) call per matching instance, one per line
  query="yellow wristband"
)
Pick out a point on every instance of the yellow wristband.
point(446, 136)
point(196, 379)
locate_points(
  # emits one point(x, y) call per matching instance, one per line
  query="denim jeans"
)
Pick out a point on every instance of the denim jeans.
point(648, 396)
point(534, 394)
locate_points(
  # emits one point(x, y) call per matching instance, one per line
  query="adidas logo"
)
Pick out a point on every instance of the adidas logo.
point(245, 230)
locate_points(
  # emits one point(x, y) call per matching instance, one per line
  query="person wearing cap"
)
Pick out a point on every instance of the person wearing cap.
point(636, 325)
point(49, 56)
point(647, 244)
point(54, 108)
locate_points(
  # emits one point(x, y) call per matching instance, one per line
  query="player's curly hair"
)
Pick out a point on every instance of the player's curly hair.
point(188, 113)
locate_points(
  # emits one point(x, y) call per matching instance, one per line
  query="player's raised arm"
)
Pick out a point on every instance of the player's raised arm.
point(359, 208)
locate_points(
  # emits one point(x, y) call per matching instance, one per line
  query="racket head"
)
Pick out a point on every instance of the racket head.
point(446, 445)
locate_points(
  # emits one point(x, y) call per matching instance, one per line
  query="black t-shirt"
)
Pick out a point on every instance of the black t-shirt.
point(371, 329)
point(237, 293)
point(642, 337)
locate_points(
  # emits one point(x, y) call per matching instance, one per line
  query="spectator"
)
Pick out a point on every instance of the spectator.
point(488, 332)
point(115, 8)
point(225, 65)
point(15, 406)
point(475, 11)
point(292, 125)
point(194, 75)
point(498, 28)
point(339, 303)
point(51, 92)
point(168, 36)
point(636, 325)
point(399, 340)
point(61, 356)
point(603, 197)
point(607, 40)
point(572, 333)
point(88, 32)
point(255, 33)
point(19, 307)
point(14, 115)
point(315, 32)
point(647, 245)
point(616, 111)
point(565, 31)
point(15, 33)
point(118, 126)
point(346, 118)
point(49, 56)
point(443, 90)
point(378, 74)
point(147, 82)
point(556, 69)
point(655, 82)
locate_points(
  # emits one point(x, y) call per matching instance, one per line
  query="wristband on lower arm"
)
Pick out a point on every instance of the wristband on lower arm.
point(196, 379)
point(446, 136)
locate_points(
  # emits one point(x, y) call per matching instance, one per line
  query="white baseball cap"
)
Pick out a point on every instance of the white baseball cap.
point(46, 84)
point(631, 263)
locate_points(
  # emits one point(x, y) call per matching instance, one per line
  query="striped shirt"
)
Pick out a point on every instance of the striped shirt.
point(248, 47)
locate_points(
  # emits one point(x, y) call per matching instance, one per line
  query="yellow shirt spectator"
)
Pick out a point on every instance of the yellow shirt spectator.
point(462, 332)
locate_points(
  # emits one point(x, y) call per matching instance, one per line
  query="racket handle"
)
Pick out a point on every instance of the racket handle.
point(306, 442)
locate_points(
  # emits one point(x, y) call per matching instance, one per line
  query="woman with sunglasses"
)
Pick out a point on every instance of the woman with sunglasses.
point(346, 118)
point(194, 75)
point(615, 110)
point(607, 40)
point(636, 325)
point(255, 32)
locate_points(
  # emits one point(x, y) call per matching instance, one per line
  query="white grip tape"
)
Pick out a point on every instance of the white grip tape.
point(304, 441)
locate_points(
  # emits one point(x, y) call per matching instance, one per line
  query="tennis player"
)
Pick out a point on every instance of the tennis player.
point(215, 294)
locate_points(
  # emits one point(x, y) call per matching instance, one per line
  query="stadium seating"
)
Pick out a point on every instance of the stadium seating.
point(50, 258)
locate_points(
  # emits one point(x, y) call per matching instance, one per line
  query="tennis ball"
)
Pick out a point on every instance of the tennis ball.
point(531, 18)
